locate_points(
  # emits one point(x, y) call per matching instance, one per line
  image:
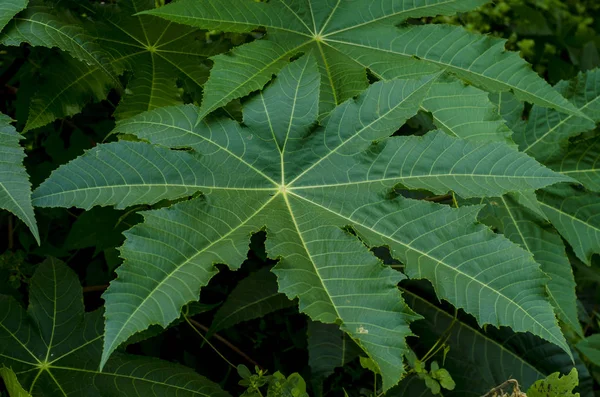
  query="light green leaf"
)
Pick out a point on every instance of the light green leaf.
point(590, 347)
point(348, 41)
point(436, 162)
point(466, 112)
point(328, 349)
point(10, 8)
point(122, 174)
point(250, 75)
point(12, 383)
point(260, 175)
point(555, 385)
point(582, 162)
point(546, 133)
point(253, 297)
point(15, 189)
point(55, 342)
point(576, 215)
point(524, 227)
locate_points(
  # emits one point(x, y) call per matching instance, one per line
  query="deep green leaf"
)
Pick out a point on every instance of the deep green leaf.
point(347, 41)
point(524, 227)
point(157, 52)
point(582, 162)
point(479, 360)
point(328, 349)
point(590, 347)
point(40, 26)
point(68, 85)
point(546, 133)
point(15, 189)
point(253, 297)
point(576, 215)
point(55, 343)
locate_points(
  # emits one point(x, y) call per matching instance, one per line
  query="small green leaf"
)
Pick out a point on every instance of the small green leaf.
point(555, 385)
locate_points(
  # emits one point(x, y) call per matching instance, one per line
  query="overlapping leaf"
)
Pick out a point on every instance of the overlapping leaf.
point(15, 189)
point(305, 183)
point(349, 37)
point(41, 26)
point(546, 133)
point(328, 349)
point(582, 162)
point(67, 85)
point(523, 227)
point(156, 52)
point(576, 215)
point(53, 347)
point(466, 112)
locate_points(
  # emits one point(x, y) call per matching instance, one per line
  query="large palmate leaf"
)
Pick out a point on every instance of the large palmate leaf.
point(305, 183)
point(157, 52)
point(15, 189)
point(546, 133)
point(10, 8)
point(350, 36)
point(53, 347)
point(480, 360)
point(523, 226)
point(576, 215)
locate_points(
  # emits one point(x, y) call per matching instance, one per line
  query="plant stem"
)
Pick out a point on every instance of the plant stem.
point(11, 238)
point(95, 288)
point(196, 325)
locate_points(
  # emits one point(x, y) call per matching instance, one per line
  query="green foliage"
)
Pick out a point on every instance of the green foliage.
point(15, 193)
point(12, 383)
point(350, 196)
